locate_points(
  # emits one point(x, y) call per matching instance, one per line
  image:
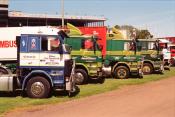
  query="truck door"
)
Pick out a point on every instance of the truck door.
point(51, 58)
point(29, 51)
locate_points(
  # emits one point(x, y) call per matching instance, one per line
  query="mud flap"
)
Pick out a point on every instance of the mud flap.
point(70, 85)
point(162, 68)
point(140, 73)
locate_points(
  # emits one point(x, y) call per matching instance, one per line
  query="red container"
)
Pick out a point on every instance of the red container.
point(101, 32)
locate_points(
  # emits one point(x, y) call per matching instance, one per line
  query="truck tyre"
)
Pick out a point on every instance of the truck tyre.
point(38, 87)
point(172, 62)
point(121, 72)
point(81, 76)
point(3, 71)
point(77, 90)
point(101, 80)
point(147, 69)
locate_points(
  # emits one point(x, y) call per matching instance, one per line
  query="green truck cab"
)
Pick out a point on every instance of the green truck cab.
point(153, 58)
point(123, 61)
point(88, 58)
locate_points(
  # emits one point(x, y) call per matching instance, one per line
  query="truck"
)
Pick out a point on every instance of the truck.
point(153, 61)
point(172, 51)
point(164, 46)
point(123, 60)
point(94, 60)
point(42, 62)
point(171, 45)
point(153, 57)
point(88, 58)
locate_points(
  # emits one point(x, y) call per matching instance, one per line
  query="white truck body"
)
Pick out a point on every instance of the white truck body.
point(8, 35)
point(166, 51)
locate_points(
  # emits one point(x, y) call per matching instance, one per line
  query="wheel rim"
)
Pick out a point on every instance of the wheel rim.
point(79, 77)
point(37, 88)
point(121, 73)
point(146, 70)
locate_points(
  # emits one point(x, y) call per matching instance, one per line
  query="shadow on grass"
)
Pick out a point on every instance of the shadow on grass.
point(130, 77)
point(10, 94)
point(97, 81)
point(54, 93)
point(65, 93)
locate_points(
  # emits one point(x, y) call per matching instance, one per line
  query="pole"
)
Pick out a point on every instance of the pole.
point(62, 12)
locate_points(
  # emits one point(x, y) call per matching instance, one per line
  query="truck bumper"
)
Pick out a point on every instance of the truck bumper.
point(137, 72)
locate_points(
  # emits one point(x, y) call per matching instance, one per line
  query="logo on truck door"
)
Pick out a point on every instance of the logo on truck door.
point(33, 44)
point(23, 43)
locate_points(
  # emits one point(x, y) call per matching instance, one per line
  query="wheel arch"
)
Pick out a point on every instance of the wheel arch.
point(149, 62)
point(120, 64)
point(36, 73)
point(82, 66)
point(5, 69)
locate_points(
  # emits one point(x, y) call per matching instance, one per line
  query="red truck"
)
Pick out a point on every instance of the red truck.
point(171, 46)
point(172, 49)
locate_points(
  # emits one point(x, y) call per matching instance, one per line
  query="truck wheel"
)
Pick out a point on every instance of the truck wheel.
point(121, 72)
point(101, 80)
point(3, 71)
point(172, 62)
point(80, 76)
point(38, 87)
point(147, 68)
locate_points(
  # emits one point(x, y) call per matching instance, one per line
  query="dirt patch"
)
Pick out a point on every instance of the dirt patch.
point(155, 99)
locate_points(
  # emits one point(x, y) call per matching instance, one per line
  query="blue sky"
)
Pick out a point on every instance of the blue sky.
point(158, 16)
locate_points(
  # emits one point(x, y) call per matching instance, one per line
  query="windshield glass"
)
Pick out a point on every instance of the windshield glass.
point(149, 46)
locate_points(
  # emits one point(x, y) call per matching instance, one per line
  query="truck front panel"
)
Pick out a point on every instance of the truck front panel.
point(40, 53)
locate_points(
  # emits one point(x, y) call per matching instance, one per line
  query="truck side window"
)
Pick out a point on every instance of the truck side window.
point(88, 44)
point(50, 44)
point(44, 45)
point(54, 44)
point(131, 46)
point(126, 46)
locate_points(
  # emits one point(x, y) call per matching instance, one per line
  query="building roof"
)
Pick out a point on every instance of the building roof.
point(18, 18)
point(29, 15)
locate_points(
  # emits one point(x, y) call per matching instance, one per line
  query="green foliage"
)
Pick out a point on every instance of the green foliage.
point(117, 26)
point(140, 34)
point(8, 103)
point(144, 34)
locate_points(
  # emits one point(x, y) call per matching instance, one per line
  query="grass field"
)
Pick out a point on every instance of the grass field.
point(8, 103)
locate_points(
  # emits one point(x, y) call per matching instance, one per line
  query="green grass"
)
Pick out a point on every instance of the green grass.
point(9, 103)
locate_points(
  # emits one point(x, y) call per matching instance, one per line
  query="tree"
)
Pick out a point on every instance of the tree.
point(144, 34)
point(117, 26)
point(132, 31)
point(140, 34)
